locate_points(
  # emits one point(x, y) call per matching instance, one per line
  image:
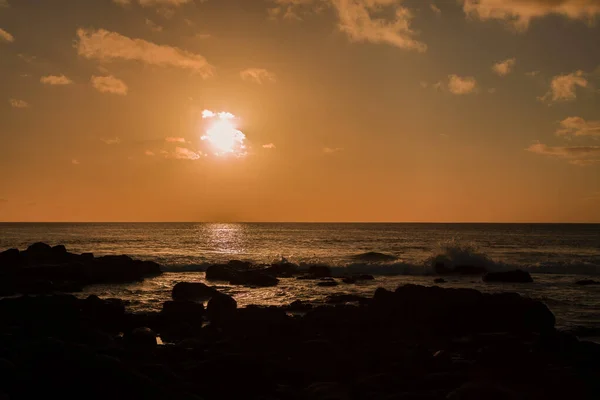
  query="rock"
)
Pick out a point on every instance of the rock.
point(221, 307)
point(219, 272)
point(439, 280)
point(346, 298)
point(587, 282)
point(327, 282)
point(191, 291)
point(517, 276)
point(299, 305)
point(253, 278)
point(319, 271)
point(282, 270)
point(356, 278)
point(349, 280)
point(142, 337)
point(373, 256)
point(183, 310)
point(441, 269)
point(10, 261)
point(482, 390)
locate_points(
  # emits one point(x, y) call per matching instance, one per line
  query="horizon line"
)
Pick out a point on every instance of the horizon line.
point(307, 222)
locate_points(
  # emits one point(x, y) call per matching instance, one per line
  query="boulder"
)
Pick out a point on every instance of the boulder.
point(441, 269)
point(192, 291)
point(10, 261)
point(282, 270)
point(240, 274)
point(319, 271)
point(183, 310)
point(373, 256)
point(142, 337)
point(439, 280)
point(587, 282)
point(253, 278)
point(221, 307)
point(346, 298)
point(517, 276)
point(219, 272)
point(357, 278)
point(327, 282)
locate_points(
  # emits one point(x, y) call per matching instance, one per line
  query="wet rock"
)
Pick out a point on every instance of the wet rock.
point(253, 278)
point(319, 271)
point(327, 282)
point(221, 307)
point(482, 390)
point(10, 261)
point(441, 269)
point(439, 280)
point(192, 291)
point(517, 276)
point(587, 282)
point(299, 305)
point(281, 270)
point(373, 256)
point(182, 310)
point(357, 278)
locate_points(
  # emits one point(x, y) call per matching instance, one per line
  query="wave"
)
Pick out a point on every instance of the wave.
point(450, 254)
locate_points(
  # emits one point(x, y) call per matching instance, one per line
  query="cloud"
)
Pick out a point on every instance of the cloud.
point(532, 73)
point(435, 9)
point(109, 84)
point(75, 162)
point(585, 163)
point(461, 85)
point(258, 75)
point(577, 126)
point(55, 80)
point(149, 153)
point(331, 150)
point(182, 153)
point(505, 67)
point(111, 141)
point(563, 87)
point(6, 37)
point(519, 13)
point(109, 46)
point(153, 25)
point(564, 151)
point(153, 3)
point(362, 20)
point(15, 103)
point(268, 146)
point(175, 140)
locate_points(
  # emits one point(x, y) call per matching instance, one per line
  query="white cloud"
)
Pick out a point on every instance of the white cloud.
point(268, 146)
point(15, 103)
point(505, 67)
point(109, 84)
point(563, 87)
point(577, 126)
point(564, 151)
point(258, 75)
point(460, 85)
point(175, 140)
point(519, 13)
point(362, 20)
point(109, 46)
point(55, 80)
point(111, 140)
point(149, 153)
point(6, 37)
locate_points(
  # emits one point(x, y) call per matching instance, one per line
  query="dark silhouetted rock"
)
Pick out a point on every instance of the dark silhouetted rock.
point(517, 276)
point(219, 272)
point(346, 298)
point(221, 307)
point(441, 269)
point(373, 256)
point(299, 305)
point(319, 271)
point(327, 282)
point(10, 261)
point(587, 282)
point(281, 270)
point(439, 280)
point(142, 337)
point(192, 291)
point(357, 278)
point(253, 278)
point(183, 310)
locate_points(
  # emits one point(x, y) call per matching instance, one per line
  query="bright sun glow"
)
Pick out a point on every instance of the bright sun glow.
point(222, 134)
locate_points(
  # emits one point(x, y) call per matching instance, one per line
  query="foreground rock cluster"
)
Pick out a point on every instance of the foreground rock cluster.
point(44, 269)
point(412, 343)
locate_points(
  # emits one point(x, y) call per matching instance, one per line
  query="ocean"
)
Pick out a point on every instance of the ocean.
point(557, 255)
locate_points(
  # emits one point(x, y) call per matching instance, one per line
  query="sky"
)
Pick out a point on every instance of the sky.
point(300, 110)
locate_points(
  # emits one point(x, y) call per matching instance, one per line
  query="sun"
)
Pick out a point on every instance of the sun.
point(222, 134)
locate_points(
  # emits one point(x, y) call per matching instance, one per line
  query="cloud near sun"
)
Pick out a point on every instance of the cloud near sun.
point(222, 135)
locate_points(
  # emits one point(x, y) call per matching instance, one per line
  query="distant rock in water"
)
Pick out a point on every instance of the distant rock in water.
point(357, 278)
point(517, 276)
point(587, 282)
point(191, 291)
point(240, 273)
point(441, 269)
point(373, 256)
point(439, 280)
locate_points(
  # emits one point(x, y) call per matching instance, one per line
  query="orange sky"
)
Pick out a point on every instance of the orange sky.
point(348, 110)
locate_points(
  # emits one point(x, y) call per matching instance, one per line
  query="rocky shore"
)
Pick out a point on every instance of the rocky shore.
point(415, 342)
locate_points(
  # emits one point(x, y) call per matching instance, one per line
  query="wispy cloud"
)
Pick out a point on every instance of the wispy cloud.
point(109, 46)
point(16, 103)
point(577, 126)
point(6, 37)
point(563, 87)
point(268, 146)
point(149, 153)
point(519, 13)
point(505, 67)
point(362, 20)
point(153, 3)
point(153, 25)
point(258, 75)
point(111, 141)
point(578, 154)
point(460, 85)
point(3, 200)
point(331, 150)
point(585, 163)
point(109, 84)
point(75, 162)
point(175, 140)
point(532, 73)
point(55, 80)
point(435, 9)
point(182, 153)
